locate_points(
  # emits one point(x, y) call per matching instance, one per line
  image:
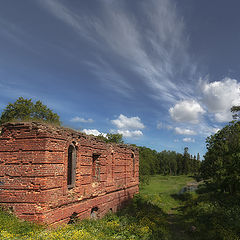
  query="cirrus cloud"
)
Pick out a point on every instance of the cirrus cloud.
point(82, 120)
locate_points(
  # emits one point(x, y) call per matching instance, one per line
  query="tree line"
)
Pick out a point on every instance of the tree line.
point(167, 163)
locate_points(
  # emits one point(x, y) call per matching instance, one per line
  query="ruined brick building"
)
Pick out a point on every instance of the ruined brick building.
point(49, 174)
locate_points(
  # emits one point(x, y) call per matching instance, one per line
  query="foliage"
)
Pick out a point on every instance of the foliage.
point(26, 110)
point(111, 138)
point(214, 216)
point(166, 163)
point(221, 165)
point(215, 213)
point(11, 227)
point(114, 137)
point(235, 110)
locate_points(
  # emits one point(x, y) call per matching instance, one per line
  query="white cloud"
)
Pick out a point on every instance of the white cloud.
point(94, 132)
point(223, 116)
point(205, 129)
point(185, 131)
point(128, 126)
point(215, 130)
point(130, 134)
point(189, 140)
point(220, 96)
point(186, 111)
point(123, 122)
point(82, 120)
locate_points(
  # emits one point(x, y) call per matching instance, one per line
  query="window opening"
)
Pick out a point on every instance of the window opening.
point(112, 165)
point(71, 169)
point(73, 218)
point(96, 167)
point(133, 163)
point(94, 213)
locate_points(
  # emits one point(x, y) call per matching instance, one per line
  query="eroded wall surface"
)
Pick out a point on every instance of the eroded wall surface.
point(34, 173)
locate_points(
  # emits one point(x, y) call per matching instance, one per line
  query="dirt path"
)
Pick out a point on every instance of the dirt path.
point(177, 227)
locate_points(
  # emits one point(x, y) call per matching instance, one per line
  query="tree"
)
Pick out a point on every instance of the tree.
point(115, 138)
point(221, 163)
point(111, 138)
point(186, 161)
point(26, 110)
point(235, 110)
point(198, 157)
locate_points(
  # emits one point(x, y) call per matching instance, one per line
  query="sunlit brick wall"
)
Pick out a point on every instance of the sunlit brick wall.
point(34, 168)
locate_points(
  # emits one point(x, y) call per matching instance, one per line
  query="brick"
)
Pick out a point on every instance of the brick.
point(33, 173)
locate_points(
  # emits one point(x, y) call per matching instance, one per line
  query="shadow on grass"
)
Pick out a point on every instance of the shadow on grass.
point(182, 197)
point(210, 215)
point(143, 211)
point(163, 225)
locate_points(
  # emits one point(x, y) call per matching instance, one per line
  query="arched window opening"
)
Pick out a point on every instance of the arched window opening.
point(71, 168)
point(133, 164)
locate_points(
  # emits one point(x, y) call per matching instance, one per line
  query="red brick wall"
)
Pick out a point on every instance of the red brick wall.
point(33, 173)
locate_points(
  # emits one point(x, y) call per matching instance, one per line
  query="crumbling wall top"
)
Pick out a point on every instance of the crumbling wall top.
point(52, 131)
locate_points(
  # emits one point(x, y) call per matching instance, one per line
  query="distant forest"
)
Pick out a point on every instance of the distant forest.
point(167, 163)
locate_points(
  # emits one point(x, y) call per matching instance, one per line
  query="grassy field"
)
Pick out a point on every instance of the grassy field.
point(164, 193)
point(153, 214)
point(163, 189)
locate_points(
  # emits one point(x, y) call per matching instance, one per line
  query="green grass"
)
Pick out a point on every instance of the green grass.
point(157, 213)
point(140, 220)
point(145, 218)
point(166, 184)
point(11, 226)
point(162, 188)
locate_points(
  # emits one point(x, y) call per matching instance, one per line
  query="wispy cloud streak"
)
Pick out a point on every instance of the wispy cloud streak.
point(155, 52)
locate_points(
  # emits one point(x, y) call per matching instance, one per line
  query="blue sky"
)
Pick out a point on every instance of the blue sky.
point(164, 73)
